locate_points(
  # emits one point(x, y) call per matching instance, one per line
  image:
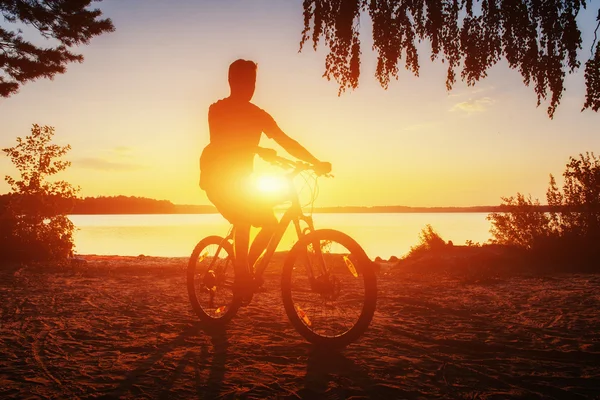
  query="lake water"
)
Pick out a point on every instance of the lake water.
point(175, 235)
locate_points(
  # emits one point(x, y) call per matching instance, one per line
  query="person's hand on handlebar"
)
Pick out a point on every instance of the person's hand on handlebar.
point(270, 155)
point(322, 167)
point(266, 154)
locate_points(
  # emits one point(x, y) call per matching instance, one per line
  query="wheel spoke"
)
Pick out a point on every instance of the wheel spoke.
point(331, 303)
point(210, 280)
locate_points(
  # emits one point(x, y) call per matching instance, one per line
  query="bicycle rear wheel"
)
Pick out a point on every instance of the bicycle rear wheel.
point(329, 288)
point(210, 277)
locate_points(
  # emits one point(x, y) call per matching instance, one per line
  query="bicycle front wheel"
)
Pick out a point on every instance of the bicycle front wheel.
point(210, 276)
point(329, 288)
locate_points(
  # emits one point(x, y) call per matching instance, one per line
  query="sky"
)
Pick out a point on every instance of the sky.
point(135, 112)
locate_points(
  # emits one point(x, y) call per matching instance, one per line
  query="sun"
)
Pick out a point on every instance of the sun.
point(271, 184)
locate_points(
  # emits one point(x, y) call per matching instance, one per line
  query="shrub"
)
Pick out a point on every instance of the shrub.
point(522, 224)
point(567, 232)
point(34, 225)
point(429, 240)
point(576, 211)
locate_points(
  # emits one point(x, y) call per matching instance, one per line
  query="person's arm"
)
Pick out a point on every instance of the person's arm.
point(295, 149)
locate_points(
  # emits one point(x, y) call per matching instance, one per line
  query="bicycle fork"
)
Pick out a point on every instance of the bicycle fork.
point(316, 263)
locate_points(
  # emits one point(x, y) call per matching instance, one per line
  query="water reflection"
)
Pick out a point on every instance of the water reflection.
point(175, 235)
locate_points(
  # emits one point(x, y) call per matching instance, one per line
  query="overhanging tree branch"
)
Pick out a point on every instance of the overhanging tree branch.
point(540, 39)
point(69, 22)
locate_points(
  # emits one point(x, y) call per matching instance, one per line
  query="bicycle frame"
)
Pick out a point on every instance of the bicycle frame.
point(293, 214)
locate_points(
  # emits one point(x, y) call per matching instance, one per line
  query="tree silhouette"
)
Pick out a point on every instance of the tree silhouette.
point(65, 23)
point(539, 38)
point(565, 233)
point(34, 222)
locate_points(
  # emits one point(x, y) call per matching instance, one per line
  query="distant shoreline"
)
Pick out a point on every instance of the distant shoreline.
point(318, 210)
point(119, 205)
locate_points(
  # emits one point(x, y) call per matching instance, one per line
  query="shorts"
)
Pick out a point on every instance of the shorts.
point(239, 204)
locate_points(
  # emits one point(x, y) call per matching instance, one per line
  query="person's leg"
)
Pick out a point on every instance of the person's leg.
point(262, 239)
point(226, 200)
point(240, 250)
point(243, 279)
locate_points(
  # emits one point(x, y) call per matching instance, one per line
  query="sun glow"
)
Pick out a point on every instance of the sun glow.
point(271, 184)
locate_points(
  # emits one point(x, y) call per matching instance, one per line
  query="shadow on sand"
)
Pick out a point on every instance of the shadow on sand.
point(187, 364)
point(194, 355)
point(331, 374)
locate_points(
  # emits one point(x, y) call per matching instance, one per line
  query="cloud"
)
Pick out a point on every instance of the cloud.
point(473, 105)
point(120, 158)
point(105, 165)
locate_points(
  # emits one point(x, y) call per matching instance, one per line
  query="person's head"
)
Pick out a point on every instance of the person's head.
point(242, 79)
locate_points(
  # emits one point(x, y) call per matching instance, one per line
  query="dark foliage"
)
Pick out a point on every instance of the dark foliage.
point(66, 23)
point(522, 224)
point(34, 225)
point(540, 39)
point(122, 205)
point(429, 242)
point(568, 234)
point(592, 74)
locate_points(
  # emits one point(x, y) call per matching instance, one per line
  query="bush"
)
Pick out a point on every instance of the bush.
point(34, 225)
point(429, 240)
point(522, 225)
point(567, 232)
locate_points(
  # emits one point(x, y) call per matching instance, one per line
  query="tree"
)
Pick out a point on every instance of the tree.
point(577, 207)
point(523, 225)
point(34, 222)
point(539, 38)
point(569, 232)
point(67, 23)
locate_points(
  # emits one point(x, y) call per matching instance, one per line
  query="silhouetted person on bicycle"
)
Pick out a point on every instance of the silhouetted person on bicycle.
point(227, 163)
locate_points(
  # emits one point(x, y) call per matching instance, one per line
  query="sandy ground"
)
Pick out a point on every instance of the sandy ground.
point(123, 328)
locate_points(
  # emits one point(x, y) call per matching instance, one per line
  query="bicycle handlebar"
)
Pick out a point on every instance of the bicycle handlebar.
point(298, 166)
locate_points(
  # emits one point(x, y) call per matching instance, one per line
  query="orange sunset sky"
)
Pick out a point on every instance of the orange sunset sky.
point(135, 112)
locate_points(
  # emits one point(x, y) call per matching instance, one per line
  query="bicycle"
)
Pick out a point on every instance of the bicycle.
point(328, 283)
